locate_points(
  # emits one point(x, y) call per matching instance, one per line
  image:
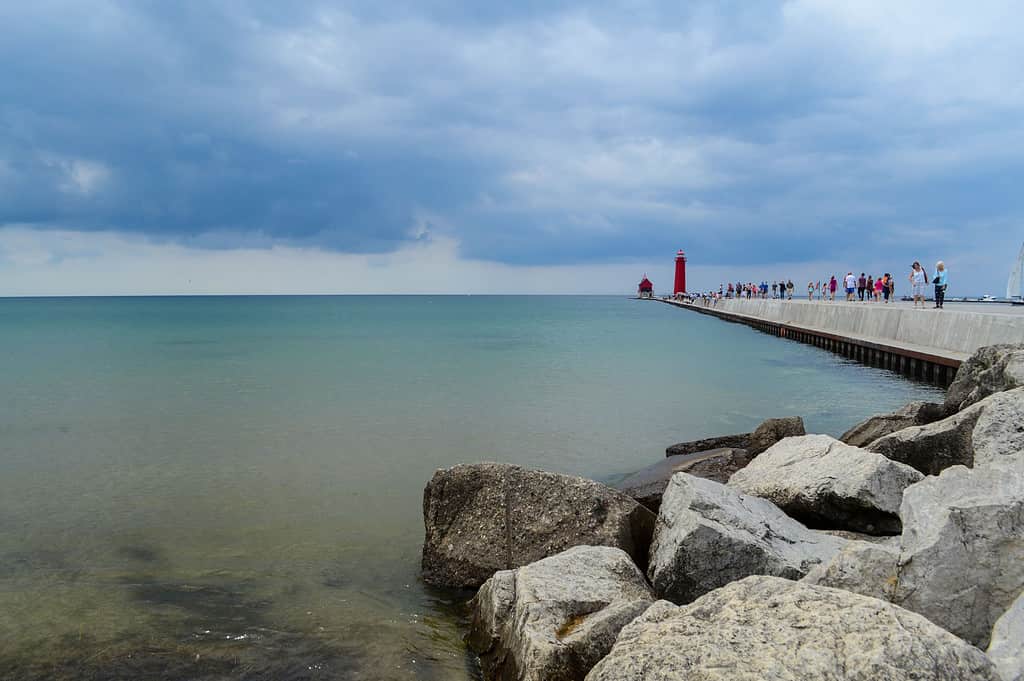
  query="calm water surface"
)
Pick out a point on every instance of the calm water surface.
point(231, 488)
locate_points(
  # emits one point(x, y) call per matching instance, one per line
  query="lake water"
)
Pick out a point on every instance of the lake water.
point(231, 488)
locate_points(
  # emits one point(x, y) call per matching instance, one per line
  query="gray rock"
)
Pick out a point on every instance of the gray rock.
point(481, 518)
point(739, 441)
point(825, 483)
point(647, 485)
point(554, 619)
point(763, 437)
point(1007, 647)
point(880, 425)
point(709, 534)
point(769, 628)
point(774, 430)
point(989, 433)
point(865, 568)
point(990, 370)
point(962, 552)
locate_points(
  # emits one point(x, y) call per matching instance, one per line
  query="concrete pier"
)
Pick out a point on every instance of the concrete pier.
point(925, 344)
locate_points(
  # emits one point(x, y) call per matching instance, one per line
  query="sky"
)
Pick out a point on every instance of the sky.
point(532, 147)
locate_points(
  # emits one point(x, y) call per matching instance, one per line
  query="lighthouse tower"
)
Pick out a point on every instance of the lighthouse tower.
point(680, 286)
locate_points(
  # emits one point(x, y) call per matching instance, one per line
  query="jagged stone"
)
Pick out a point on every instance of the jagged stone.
point(771, 628)
point(709, 534)
point(825, 483)
point(764, 436)
point(481, 518)
point(648, 485)
point(880, 425)
point(988, 433)
point(772, 431)
point(1007, 647)
point(991, 369)
point(865, 568)
point(554, 619)
point(962, 552)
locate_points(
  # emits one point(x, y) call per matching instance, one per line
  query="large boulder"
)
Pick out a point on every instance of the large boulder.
point(880, 425)
point(825, 483)
point(1007, 647)
point(771, 628)
point(988, 433)
point(774, 430)
point(554, 619)
point(648, 485)
point(989, 370)
point(962, 551)
point(865, 568)
point(481, 518)
point(709, 534)
point(763, 437)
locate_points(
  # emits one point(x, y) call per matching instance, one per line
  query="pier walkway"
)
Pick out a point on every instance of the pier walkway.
point(925, 344)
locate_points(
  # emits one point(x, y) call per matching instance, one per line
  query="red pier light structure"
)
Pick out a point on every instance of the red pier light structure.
point(680, 286)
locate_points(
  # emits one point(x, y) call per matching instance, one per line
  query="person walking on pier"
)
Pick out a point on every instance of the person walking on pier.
point(870, 290)
point(789, 289)
point(918, 280)
point(851, 286)
point(878, 289)
point(940, 279)
point(832, 286)
point(810, 291)
point(862, 283)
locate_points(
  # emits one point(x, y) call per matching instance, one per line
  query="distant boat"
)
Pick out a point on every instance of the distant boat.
point(1013, 284)
point(988, 299)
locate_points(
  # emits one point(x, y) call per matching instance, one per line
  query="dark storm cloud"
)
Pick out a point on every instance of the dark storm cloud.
point(530, 132)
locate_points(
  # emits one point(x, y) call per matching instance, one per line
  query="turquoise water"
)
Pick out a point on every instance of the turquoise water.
point(231, 487)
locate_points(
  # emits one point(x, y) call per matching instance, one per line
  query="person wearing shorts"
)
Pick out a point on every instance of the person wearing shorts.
point(851, 286)
point(918, 281)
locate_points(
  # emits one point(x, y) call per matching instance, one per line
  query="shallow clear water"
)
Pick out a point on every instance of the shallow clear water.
point(232, 487)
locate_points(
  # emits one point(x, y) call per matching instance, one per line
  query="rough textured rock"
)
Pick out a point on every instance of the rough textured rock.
point(989, 433)
point(709, 534)
point(1007, 647)
point(770, 628)
point(481, 518)
point(962, 555)
point(647, 485)
point(554, 619)
point(990, 370)
point(825, 483)
point(865, 568)
point(774, 430)
point(880, 425)
point(739, 441)
point(763, 437)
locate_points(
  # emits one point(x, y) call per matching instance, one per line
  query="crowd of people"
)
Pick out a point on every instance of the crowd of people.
point(863, 288)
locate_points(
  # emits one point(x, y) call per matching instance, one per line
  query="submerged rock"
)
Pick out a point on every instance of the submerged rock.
point(989, 433)
point(880, 425)
point(962, 552)
point(1007, 647)
point(481, 518)
point(771, 628)
point(648, 485)
point(709, 534)
point(825, 483)
point(992, 369)
point(739, 441)
point(554, 619)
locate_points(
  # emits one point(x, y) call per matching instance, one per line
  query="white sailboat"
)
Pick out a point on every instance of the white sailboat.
point(1013, 285)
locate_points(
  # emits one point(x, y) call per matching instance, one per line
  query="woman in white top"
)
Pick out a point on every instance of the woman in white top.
point(918, 280)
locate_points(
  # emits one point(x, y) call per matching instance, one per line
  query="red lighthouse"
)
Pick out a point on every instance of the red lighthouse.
point(680, 286)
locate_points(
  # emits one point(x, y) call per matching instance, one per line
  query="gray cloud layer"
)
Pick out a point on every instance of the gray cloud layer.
point(539, 133)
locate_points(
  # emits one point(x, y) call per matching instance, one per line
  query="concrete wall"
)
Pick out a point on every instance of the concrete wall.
point(948, 330)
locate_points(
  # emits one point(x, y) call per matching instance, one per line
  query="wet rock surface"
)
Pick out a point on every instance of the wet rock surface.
point(772, 431)
point(482, 518)
point(648, 485)
point(771, 628)
point(709, 534)
point(880, 425)
point(825, 483)
point(556, 618)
